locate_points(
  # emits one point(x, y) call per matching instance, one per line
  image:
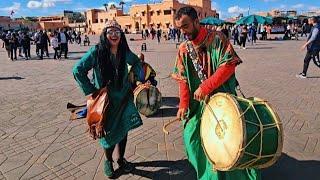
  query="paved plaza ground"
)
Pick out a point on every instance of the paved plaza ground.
point(37, 140)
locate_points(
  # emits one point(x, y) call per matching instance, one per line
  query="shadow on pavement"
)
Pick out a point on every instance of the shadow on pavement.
point(252, 47)
point(165, 112)
point(13, 77)
point(171, 170)
point(289, 168)
point(170, 101)
point(313, 77)
point(79, 52)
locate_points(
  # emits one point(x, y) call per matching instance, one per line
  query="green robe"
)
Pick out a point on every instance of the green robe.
point(121, 116)
point(218, 51)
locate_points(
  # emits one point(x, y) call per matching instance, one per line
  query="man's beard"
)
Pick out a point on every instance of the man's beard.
point(193, 35)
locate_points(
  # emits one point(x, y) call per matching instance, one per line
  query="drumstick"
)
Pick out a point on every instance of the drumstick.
point(164, 128)
point(206, 100)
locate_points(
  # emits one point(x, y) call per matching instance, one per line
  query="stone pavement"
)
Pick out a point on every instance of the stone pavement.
point(37, 141)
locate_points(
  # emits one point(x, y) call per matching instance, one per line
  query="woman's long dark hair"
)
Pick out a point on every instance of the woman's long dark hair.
point(108, 71)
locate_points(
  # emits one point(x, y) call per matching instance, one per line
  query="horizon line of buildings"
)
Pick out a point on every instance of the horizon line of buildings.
point(139, 17)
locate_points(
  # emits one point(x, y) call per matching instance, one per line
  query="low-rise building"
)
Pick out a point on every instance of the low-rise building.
point(142, 16)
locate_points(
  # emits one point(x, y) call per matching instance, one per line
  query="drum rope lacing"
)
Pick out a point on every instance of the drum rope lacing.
point(262, 128)
point(260, 125)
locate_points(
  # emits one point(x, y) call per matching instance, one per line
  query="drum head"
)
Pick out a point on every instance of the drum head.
point(147, 99)
point(223, 141)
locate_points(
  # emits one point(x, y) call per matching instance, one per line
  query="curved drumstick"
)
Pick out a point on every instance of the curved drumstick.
point(164, 128)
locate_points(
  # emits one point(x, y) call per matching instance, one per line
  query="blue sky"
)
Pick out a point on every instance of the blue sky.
point(226, 8)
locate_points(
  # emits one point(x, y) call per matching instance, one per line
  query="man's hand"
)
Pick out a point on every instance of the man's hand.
point(181, 114)
point(303, 47)
point(198, 94)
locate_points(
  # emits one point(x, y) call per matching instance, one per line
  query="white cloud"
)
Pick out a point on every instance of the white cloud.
point(15, 7)
point(34, 4)
point(297, 6)
point(45, 3)
point(237, 10)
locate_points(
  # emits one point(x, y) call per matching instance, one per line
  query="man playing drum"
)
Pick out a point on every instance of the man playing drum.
point(210, 69)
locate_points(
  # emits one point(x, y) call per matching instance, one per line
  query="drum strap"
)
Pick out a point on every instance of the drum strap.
point(238, 87)
point(195, 60)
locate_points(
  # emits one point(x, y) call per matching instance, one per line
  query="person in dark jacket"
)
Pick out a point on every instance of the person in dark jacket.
point(40, 45)
point(63, 39)
point(44, 42)
point(20, 37)
point(312, 45)
point(26, 45)
point(14, 45)
point(225, 31)
point(7, 44)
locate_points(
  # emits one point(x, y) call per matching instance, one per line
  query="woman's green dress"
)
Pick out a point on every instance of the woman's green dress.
point(122, 115)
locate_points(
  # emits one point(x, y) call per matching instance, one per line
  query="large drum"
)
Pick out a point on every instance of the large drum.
point(238, 133)
point(147, 99)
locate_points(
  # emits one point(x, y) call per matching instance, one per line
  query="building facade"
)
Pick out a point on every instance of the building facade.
point(279, 13)
point(7, 23)
point(142, 16)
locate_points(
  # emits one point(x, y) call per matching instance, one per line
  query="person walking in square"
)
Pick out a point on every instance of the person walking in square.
point(7, 44)
point(45, 41)
point(312, 45)
point(55, 45)
point(235, 33)
point(14, 45)
point(243, 36)
point(63, 39)
point(159, 32)
point(26, 46)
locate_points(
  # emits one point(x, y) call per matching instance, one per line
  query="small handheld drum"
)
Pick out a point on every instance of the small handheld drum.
point(147, 99)
point(239, 133)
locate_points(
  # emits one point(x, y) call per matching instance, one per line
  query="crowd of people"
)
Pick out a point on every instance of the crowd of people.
point(19, 42)
point(173, 34)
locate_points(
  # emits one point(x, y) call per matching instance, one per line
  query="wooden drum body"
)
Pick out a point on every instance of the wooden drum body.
point(248, 135)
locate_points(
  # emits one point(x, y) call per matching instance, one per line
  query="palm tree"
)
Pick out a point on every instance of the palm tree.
point(106, 6)
point(121, 4)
